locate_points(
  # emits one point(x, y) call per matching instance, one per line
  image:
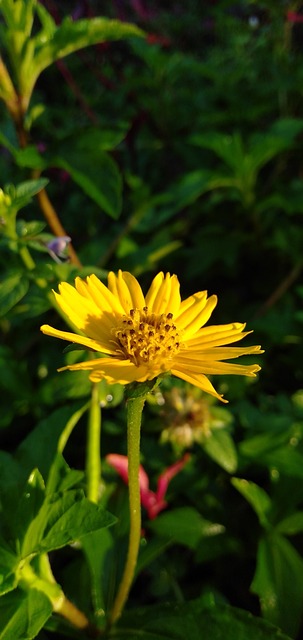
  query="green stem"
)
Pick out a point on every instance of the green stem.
point(28, 579)
point(70, 425)
point(93, 458)
point(134, 414)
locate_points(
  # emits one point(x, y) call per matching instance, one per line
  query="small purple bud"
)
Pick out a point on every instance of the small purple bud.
point(57, 247)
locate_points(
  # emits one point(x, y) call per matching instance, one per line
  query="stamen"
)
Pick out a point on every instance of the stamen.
point(144, 337)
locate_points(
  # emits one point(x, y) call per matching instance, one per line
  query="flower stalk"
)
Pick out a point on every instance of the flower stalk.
point(134, 414)
point(93, 458)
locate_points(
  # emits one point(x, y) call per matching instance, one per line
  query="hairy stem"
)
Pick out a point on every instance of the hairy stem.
point(134, 415)
point(93, 459)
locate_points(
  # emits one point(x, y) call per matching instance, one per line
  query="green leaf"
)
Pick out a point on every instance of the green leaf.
point(61, 478)
point(185, 526)
point(96, 547)
point(29, 158)
point(22, 615)
point(220, 447)
point(257, 498)
point(12, 290)
point(40, 447)
point(194, 621)
point(28, 507)
point(291, 525)
point(98, 175)
point(62, 520)
point(71, 36)
point(8, 568)
point(26, 190)
point(286, 460)
point(19, 14)
point(278, 582)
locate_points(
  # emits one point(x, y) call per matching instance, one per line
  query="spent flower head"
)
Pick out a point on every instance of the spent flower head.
point(141, 337)
point(190, 416)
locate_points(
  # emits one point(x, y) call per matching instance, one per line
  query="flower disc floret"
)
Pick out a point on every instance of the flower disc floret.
point(139, 337)
point(145, 337)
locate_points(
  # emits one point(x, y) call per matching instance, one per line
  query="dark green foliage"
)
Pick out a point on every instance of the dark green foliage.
point(169, 140)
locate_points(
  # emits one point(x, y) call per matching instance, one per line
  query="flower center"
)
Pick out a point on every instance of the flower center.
point(146, 337)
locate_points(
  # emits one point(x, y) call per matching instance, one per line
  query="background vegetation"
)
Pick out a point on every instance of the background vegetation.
point(177, 148)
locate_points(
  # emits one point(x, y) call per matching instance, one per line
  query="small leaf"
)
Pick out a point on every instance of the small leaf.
point(29, 158)
point(8, 568)
point(286, 460)
point(12, 290)
point(257, 498)
point(278, 581)
point(71, 36)
point(22, 615)
point(99, 177)
point(195, 621)
point(220, 447)
point(291, 525)
point(28, 189)
point(185, 526)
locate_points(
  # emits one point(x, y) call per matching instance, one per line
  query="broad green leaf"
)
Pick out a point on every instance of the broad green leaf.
point(194, 621)
point(18, 14)
point(62, 520)
point(12, 290)
point(39, 448)
point(286, 460)
point(28, 507)
point(278, 582)
point(61, 478)
point(29, 158)
point(221, 448)
point(96, 546)
point(22, 194)
point(265, 442)
point(291, 525)
point(98, 175)
point(185, 526)
point(26, 190)
point(257, 498)
point(22, 615)
point(70, 36)
point(8, 568)
point(10, 472)
point(4, 141)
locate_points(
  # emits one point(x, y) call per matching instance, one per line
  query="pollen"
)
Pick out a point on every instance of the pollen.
point(144, 337)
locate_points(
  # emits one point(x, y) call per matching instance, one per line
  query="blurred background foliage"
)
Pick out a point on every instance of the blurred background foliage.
point(178, 151)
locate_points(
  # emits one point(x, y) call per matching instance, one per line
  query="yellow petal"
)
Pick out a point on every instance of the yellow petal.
point(213, 367)
point(197, 379)
point(73, 337)
point(103, 296)
point(119, 288)
point(114, 371)
point(135, 292)
point(162, 297)
point(95, 327)
point(215, 353)
point(195, 316)
point(153, 290)
point(213, 336)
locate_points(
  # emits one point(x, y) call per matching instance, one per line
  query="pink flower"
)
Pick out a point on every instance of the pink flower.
point(292, 16)
point(152, 501)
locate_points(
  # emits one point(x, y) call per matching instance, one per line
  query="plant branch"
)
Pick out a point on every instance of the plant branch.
point(93, 459)
point(134, 415)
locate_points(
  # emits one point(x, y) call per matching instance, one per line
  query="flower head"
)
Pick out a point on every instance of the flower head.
point(152, 501)
point(142, 337)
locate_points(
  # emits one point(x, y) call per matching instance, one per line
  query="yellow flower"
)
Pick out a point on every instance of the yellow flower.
point(142, 337)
